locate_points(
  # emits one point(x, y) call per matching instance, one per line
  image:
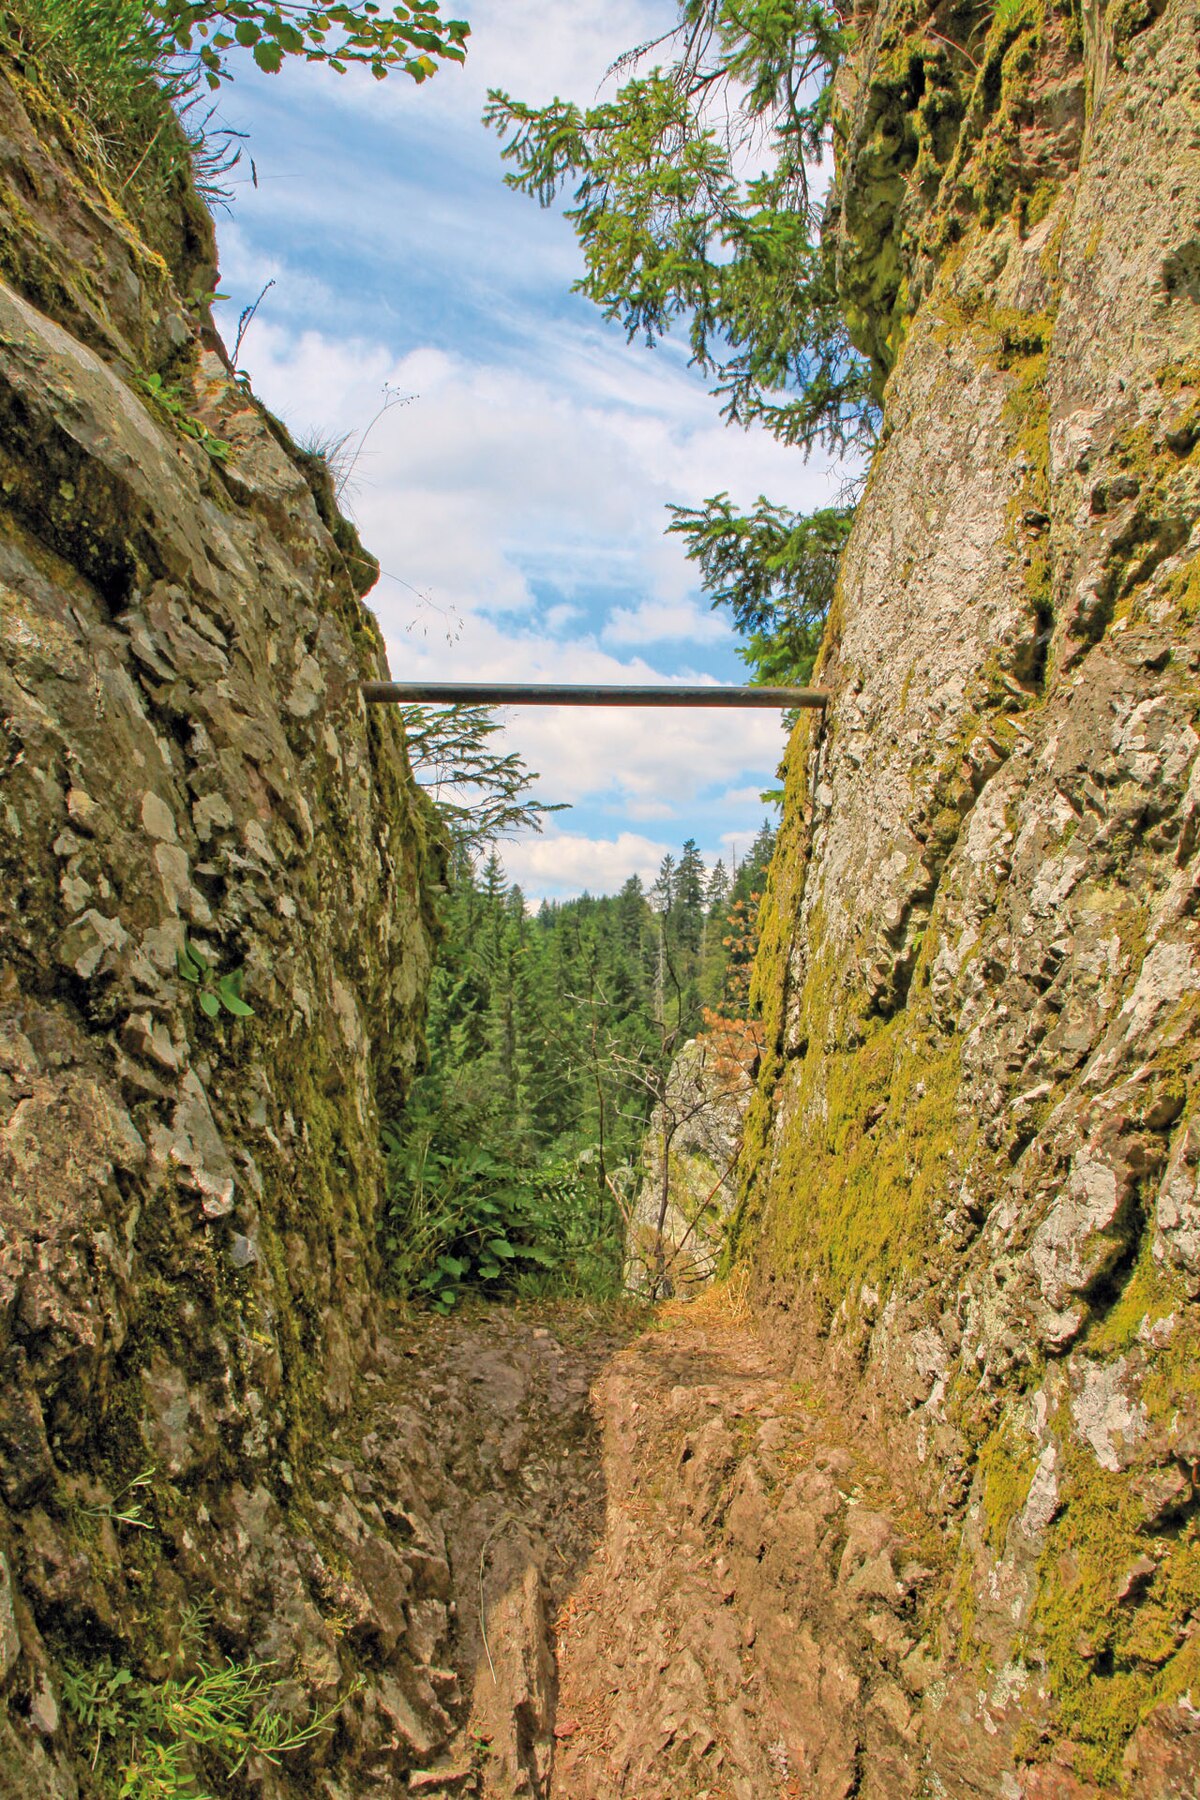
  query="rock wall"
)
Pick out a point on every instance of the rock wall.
point(190, 785)
point(698, 1122)
point(972, 1169)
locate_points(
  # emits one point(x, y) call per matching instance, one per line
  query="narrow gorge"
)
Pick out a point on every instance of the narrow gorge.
point(907, 1502)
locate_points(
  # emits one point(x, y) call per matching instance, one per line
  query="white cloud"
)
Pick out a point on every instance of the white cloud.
point(746, 796)
point(557, 618)
point(645, 810)
point(656, 620)
point(483, 487)
point(562, 863)
point(518, 505)
point(495, 475)
point(533, 49)
point(668, 759)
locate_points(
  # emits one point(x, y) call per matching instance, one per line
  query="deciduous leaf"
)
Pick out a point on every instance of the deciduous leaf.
point(191, 963)
point(229, 994)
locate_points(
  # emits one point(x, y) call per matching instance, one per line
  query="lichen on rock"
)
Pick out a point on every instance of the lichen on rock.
point(972, 1151)
point(188, 1191)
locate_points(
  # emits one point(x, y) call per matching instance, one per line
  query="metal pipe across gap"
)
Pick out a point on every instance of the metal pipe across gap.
point(491, 693)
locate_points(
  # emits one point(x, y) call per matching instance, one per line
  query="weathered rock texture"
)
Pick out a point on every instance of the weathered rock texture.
point(187, 1203)
point(974, 1153)
point(677, 1227)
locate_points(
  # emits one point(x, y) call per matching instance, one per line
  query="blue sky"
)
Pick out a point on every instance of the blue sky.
point(518, 499)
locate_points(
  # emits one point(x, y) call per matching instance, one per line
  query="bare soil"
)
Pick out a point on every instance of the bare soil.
point(636, 1528)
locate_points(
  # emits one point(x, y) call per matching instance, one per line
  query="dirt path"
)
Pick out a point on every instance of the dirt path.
point(664, 1584)
point(659, 1692)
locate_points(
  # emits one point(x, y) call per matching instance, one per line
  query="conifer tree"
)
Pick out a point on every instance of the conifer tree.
point(717, 890)
point(688, 897)
point(677, 231)
point(551, 1036)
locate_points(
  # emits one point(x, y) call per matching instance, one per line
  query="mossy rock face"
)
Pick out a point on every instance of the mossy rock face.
point(188, 1191)
point(971, 1161)
point(68, 239)
point(945, 122)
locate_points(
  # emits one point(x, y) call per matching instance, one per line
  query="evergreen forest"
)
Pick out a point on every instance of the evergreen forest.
point(550, 1039)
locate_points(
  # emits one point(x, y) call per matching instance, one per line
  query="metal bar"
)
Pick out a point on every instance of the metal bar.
point(492, 693)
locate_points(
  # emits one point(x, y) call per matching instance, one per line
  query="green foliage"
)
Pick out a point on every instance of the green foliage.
point(410, 37)
point(458, 1218)
point(671, 229)
point(481, 794)
point(169, 397)
point(107, 44)
point(153, 1740)
point(129, 1506)
point(215, 993)
point(549, 1041)
point(675, 230)
point(103, 59)
point(132, 70)
point(775, 571)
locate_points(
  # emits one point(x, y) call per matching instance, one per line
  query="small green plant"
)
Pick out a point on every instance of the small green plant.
point(201, 298)
point(216, 993)
point(103, 51)
point(1008, 12)
point(460, 1220)
point(169, 398)
point(94, 1699)
point(128, 1508)
point(152, 1740)
point(133, 71)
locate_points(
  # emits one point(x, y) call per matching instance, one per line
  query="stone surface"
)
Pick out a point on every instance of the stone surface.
point(696, 1130)
point(971, 1171)
point(187, 1203)
point(934, 1530)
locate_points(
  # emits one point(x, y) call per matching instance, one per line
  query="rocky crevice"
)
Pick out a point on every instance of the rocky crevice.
point(936, 1533)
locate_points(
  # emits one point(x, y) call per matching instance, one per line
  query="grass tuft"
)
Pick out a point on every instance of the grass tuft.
point(105, 60)
point(134, 108)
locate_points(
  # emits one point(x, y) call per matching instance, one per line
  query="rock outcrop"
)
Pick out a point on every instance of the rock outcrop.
point(973, 1157)
point(688, 1185)
point(214, 943)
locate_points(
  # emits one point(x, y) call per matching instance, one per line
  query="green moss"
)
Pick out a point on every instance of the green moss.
point(963, 1609)
point(938, 150)
point(1034, 207)
point(871, 1140)
point(1115, 1648)
point(91, 78)
point(1183, 594)
point(1150, 1293)
point(1007, 1463)
point(1154, 519)
point(1111, 1657)
point(859, 1180)
point(1127, 19)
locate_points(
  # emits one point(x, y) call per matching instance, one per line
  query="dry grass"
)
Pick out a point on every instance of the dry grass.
point(726, 1302)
